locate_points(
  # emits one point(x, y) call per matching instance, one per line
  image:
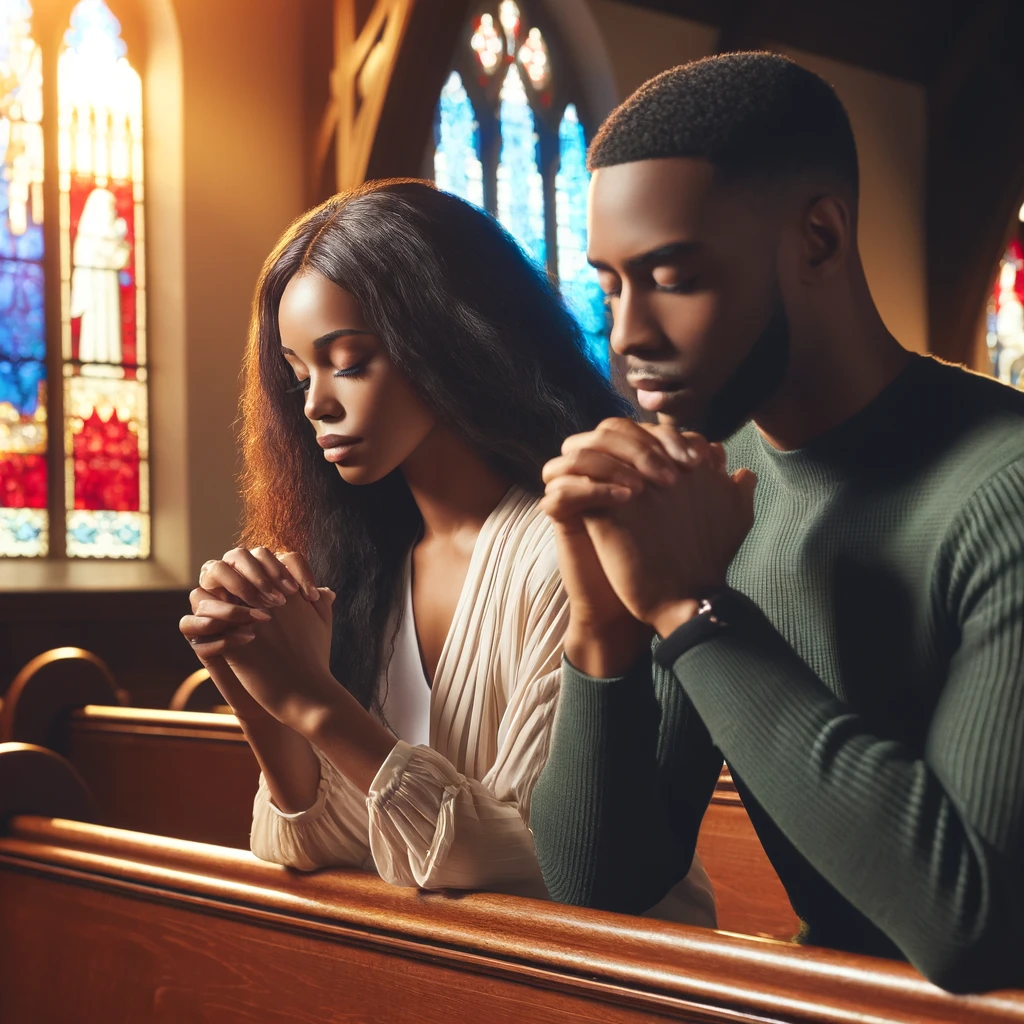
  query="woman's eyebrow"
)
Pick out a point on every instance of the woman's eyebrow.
point(326, 339)
point(344, 332)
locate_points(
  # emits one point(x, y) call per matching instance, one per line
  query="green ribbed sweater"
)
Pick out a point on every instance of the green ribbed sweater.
point(870, 707)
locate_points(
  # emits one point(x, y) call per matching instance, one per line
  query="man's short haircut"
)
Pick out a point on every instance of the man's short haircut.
point(753, 116)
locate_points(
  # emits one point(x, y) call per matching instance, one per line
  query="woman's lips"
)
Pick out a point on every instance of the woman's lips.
point(337, 447)
point(339, 452)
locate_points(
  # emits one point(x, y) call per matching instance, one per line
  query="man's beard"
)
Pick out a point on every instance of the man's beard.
point(753, 382)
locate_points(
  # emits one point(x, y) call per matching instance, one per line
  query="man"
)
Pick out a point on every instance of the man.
point(857, 657)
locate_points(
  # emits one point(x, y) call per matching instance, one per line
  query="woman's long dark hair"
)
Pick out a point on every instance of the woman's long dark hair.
point(482, 337)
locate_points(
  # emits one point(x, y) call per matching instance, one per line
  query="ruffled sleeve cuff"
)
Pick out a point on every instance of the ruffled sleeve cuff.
point(332, 832)
point(412, 814)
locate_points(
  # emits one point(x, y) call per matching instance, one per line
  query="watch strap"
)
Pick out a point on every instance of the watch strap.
point(719, 610)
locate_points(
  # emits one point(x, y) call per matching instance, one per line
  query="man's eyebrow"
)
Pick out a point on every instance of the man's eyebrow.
point(663, 254)
point(326, 339)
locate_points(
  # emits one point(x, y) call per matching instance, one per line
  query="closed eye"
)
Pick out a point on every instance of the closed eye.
point(351, 372)
point(680, 287)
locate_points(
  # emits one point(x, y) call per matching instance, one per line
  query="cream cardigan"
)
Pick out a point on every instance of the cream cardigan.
point(455, 814)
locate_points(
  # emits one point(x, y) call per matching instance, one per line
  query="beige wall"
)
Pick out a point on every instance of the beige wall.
point(641, 43)
point(889, 120)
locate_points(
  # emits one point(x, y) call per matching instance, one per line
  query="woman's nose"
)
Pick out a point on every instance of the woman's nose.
point(321, 401)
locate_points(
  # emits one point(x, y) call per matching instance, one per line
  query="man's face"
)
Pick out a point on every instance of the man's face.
point(689, 268)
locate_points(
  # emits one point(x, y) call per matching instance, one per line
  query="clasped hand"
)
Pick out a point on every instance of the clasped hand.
point(263, 629)
point(647, 520)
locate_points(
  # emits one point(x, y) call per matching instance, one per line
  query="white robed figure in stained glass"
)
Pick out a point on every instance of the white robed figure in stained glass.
point(101, 250)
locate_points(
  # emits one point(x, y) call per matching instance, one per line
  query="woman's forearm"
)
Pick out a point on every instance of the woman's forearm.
point(289, 763)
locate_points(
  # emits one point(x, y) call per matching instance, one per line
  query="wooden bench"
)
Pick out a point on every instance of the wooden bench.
point(99, 924)
point(191, 775)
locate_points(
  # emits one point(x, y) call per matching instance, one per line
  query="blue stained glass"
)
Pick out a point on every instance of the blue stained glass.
point(22, 337)
point(457, 166)
point(520, 185)
point(26, 246)
point(21, 139)
point(578, 279)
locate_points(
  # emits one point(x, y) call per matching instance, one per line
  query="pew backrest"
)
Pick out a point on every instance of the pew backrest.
point(147, 928)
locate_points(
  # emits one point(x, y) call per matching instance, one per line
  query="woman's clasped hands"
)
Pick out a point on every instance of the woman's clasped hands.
point(262, 616)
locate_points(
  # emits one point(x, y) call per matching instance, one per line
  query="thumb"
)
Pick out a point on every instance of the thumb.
point(325, 606)
point(746, 480)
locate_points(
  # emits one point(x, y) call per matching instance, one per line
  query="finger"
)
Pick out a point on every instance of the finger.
point(685, 447)
point(601, 468)
point(570, 496)
point(218, 575)
point(298, 566)
point(206, 634)
point(215, 647)
point(216, 593)
point(229, 613)
point(719, 459)
point(276, 570)
point(249, 568)
point(325, 605)
point(200, 628)
point(746, 479)
point(629, 443)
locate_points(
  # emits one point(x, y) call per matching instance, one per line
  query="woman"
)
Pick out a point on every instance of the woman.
point(407, 376)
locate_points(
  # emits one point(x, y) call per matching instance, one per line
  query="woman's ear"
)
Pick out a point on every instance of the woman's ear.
point(826, 235)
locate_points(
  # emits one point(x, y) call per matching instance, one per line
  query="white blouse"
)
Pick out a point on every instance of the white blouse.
point(450, 806)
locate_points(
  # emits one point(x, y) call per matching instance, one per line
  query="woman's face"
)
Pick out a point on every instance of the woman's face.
point(367, 417)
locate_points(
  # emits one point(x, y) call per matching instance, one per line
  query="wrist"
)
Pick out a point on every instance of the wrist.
point(669, 617)
point(608, 650)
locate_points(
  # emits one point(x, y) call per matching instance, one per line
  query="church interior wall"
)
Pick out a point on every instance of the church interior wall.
point(245, 181)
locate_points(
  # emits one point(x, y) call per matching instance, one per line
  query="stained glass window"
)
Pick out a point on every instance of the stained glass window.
point(23, 474)
point(508, 136)
point(102, 290)
point(457, 166)
point(520, 183)
point(578, 278)
point(1006, 317)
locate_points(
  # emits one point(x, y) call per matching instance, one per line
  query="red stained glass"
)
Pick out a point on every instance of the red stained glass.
point(106, 455)
point(23, 481)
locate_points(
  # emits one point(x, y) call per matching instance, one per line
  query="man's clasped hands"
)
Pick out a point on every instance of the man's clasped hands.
point(647, 520)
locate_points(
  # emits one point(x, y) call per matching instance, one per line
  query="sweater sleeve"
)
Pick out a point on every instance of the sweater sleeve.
point(929, 848)
point(619, 804)
point(432, 826)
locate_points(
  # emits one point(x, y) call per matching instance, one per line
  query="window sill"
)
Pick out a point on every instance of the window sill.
point(18, 575)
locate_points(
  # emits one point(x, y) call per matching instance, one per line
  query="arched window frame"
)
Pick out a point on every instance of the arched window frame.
point(50, 25)
point(548, 105)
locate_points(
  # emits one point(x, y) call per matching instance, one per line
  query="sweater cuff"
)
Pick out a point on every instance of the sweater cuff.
point(732, 610)
point(592, 688)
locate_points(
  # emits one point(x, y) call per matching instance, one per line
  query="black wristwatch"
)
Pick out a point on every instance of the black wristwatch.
point(719, 609)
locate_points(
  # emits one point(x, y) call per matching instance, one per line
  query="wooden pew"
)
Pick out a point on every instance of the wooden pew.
point(99, 924)
point(191, 775)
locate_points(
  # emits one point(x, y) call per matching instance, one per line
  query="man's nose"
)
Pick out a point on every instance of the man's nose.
point(635, 330)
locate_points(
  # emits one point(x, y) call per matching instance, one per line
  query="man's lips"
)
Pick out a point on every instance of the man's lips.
point(654, 393)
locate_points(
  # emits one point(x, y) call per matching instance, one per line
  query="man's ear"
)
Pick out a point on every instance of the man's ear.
point(826, 235)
